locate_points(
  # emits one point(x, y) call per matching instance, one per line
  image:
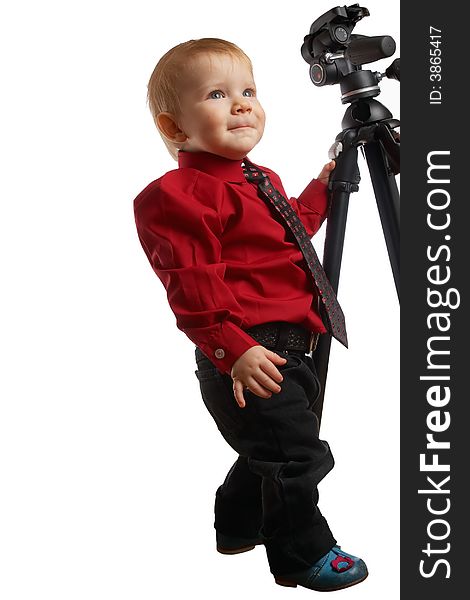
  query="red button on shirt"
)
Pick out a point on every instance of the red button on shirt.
point(225, 260)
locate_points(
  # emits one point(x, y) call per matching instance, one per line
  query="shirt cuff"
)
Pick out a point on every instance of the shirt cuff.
point(315, 197)
point(222, 343)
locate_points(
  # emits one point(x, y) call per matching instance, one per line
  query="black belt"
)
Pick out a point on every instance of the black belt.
point(280, 335)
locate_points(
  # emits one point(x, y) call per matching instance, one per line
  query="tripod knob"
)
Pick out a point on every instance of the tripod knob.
point(393, 71)
point(335, 150)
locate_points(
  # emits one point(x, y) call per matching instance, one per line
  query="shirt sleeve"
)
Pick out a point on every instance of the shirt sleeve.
point(179, 228)
point(311, 206)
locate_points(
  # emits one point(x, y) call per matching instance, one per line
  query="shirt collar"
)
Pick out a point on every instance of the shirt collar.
point(226, 169)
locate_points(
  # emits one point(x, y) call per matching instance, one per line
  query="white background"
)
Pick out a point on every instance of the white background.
point(109, 460)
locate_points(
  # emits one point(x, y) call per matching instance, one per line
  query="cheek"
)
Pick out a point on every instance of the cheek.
point(201, 122)
point(212, 121)
point(262, 118)
point(260, 113)
point(212, 118)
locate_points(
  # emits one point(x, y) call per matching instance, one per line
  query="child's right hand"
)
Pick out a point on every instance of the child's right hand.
point(255, 370)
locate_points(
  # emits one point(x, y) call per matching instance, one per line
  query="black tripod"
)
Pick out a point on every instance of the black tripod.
point(367, 124)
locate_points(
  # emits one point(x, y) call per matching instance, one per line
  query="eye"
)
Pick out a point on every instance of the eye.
point(251, 92)
point(216, 94)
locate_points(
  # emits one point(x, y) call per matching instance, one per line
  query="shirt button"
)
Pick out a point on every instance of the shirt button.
point(219, 353)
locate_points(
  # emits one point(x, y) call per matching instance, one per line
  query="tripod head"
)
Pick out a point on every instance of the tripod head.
point(336, 55)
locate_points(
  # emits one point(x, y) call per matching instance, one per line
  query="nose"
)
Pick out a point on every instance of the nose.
point(241, 105)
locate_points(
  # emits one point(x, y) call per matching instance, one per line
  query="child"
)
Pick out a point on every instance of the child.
point(240, 291)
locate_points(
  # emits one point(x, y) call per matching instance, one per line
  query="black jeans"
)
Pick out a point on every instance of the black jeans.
point(272, 487)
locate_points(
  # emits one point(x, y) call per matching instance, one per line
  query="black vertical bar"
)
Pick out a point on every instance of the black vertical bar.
point(434, 301)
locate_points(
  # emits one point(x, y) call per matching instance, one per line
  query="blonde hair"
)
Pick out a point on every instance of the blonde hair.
point(164, 84)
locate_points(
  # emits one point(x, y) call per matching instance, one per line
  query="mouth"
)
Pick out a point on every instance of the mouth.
point(240, 127)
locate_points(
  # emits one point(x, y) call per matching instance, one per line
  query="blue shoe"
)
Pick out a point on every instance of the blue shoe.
point(334, 571)
point(234, 545)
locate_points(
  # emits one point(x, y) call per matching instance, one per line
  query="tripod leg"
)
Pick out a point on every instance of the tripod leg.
point(344, 180)
point(388, 204)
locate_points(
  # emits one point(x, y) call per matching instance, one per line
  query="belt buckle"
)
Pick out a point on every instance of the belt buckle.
point(313, 341)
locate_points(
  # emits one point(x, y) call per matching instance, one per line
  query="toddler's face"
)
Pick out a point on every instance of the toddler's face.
point(220, 112)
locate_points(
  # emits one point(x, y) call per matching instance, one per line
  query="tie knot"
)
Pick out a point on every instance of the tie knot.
point(252, 173)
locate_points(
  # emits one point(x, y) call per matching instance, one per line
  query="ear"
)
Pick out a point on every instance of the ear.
point(167, 124)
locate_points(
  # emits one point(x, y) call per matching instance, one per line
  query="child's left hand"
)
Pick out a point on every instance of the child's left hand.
point(325, 172)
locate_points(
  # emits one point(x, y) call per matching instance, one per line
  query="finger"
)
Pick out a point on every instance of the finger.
point(267, 382)
point(273, 357)
point(258, 389)
point(238, 393)
point(269, 370)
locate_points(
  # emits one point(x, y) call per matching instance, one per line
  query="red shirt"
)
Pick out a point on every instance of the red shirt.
point(225, 261)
